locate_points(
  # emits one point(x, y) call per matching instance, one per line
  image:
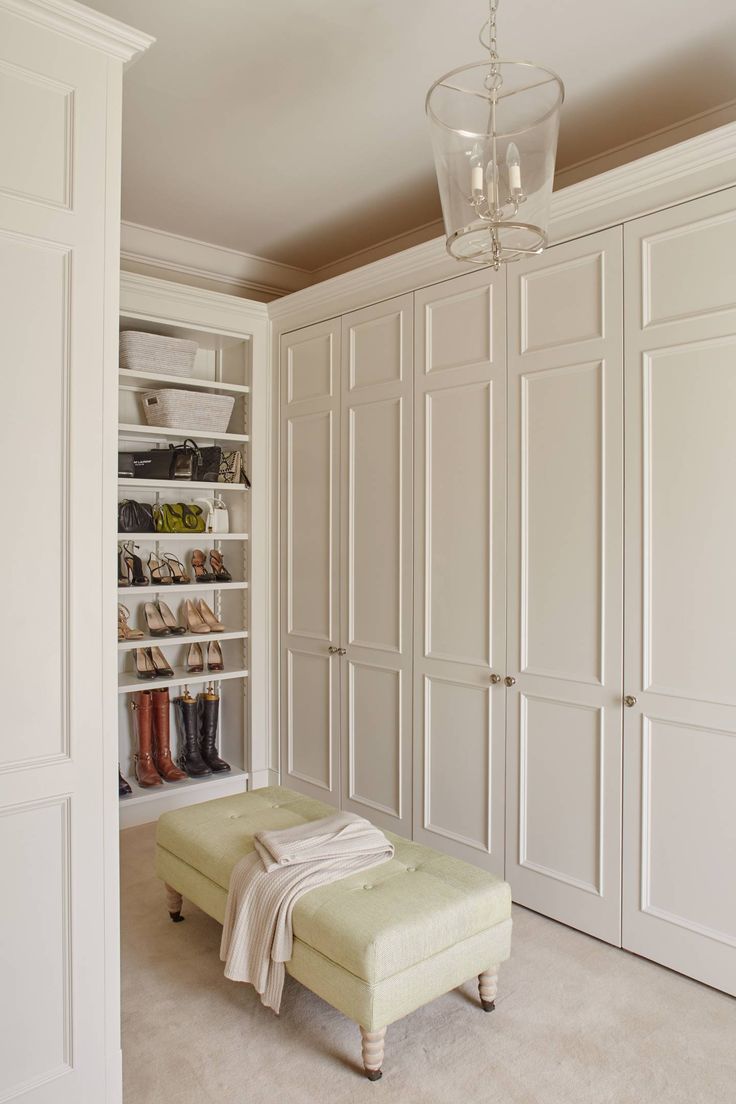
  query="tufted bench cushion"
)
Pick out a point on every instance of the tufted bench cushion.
point(376, 945)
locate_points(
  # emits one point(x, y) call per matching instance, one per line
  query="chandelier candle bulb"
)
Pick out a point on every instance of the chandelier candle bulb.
point(513, 163)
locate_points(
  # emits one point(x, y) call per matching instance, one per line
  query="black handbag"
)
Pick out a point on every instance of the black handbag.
point(135, 517)
point(209, 467)
point(186, 460)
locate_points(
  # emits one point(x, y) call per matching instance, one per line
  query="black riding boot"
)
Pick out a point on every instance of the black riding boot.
point(123, 784)
point(208, 706)
point(186, 717)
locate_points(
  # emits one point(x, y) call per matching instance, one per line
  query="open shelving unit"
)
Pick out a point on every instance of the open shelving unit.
point(224, 363)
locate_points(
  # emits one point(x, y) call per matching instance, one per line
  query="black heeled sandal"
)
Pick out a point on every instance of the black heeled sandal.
point(134, 564)
point(199, 562)
point(158, 571)
point(123, 578)
point(176, 567)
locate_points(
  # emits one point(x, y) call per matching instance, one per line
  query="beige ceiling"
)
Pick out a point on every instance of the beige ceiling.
point(295, 130)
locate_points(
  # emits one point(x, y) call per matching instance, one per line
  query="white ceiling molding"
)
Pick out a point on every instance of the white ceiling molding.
point(83, 24)
point(694, 167)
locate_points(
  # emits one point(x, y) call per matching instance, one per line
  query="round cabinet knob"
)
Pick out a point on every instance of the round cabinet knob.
point(630, 701)
point(510, 680)
point(495, 679)
point(342, 651)
point(333, 651)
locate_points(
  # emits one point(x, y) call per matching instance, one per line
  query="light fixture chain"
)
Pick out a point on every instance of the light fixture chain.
point(492, 47)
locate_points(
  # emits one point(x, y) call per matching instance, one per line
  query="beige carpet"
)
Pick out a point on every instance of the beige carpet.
point(575, 1021)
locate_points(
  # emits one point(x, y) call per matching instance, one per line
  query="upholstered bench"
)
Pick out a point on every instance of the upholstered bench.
point(375, 945)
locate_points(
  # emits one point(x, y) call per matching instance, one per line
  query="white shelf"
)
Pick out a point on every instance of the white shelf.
point(178, 588)
point(130, 430)
point(193, 538)
point(141, 793)
point(181, 485)
point(183, 381)
point(179, 638)
point(128, 683)
point(146, 804)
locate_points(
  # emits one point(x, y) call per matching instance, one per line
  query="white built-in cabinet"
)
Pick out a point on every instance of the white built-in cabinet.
point(520, 649)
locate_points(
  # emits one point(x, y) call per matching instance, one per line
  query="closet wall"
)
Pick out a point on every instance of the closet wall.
point(510, 683)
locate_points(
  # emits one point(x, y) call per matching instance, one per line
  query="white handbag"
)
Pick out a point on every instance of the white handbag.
point(218, 520)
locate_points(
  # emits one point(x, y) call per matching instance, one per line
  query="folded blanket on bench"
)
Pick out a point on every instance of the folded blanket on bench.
point(266, 885)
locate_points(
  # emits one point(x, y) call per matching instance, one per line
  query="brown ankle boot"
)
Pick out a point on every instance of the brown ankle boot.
point(144, 766)
point(161, 739)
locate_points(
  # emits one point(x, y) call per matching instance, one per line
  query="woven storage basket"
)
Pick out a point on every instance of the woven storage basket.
point(170, 408)
point(147, 352)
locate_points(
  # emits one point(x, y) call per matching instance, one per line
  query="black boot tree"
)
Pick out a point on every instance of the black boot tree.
point(208, 706)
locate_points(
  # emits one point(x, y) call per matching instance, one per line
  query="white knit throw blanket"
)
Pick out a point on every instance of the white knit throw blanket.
point(266, 885)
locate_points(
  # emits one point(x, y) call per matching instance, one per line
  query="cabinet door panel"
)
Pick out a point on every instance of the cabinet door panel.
point(565, 584)
point(310, 683)
point(460, 514)
point(376, 428)
point(680, 653)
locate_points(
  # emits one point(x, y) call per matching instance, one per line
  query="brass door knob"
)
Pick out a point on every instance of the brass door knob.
point(495, 679)
point(510, 680)
point(333, 651)
point(342, 651)
point(630, 701)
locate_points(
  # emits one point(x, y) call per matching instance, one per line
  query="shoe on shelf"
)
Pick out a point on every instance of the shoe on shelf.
point(221, 573)
point(194, 619)
point(209, 618)
point(214, 657)
point(195, 660)
point(208, 709)
point(144, 668)
point(176, 567)
point(160, 572)
point(156, 624)
point(199, 567)
point(145, 769)
point(190, 759)
point(160, 663)
point(134, 565)
point(161, 738)
point(124, 630)
point(123, 576)
point(123, 784)
point(169, 620)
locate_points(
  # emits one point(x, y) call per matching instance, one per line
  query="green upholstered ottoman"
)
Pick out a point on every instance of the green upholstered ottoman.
point(375, 945)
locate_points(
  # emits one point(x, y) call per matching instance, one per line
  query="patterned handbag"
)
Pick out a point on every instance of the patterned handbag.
point(232, 470)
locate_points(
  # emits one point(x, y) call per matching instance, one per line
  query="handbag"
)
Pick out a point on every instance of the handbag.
point(186, 460)
point(179, 517)
point(135, 517)
point(218, 519)
point(210, 464)
point(151, 464)
point(232, 470)
point(125, 465)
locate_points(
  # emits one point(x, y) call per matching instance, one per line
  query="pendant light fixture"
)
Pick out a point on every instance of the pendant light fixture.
point(494, 132)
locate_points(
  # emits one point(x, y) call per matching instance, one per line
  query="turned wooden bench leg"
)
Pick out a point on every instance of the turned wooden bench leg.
point(174, 901)
point(487, 988)
point(373, 1042)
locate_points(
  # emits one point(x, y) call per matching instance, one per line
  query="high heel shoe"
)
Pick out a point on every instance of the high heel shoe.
point(158, 570)
point(176, 567)
point(208, 617)
point(169, 620)
point(156, 624)
point(194, 619)
point(214, 657)
point(199, 561)
point(221, 573)
point(123, 578)
point(160, 664)
point(134, 564)
point(124, 630)
point(144, 668)
point(195, 660)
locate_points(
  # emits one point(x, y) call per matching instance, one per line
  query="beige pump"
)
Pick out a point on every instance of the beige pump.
point(209, 618)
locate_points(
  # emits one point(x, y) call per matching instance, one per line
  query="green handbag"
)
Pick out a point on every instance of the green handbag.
point(179, 517)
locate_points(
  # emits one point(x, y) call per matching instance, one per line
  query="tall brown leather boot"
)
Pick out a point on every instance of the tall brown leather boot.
point(144, 767)
point(161, 739)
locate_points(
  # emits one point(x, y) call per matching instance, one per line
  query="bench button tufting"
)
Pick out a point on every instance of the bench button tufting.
point(410, 869)
point(367, 887)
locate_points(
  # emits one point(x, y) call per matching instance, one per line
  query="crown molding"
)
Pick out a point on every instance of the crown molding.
point(191, 259)
point(83, 24)
point(694, 167)
point(155, 299)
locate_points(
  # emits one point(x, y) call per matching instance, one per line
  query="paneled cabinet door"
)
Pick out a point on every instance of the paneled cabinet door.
point(376, 562)
point(310, 673)
point(563, 831)
point(680, 732)
point(460, 592)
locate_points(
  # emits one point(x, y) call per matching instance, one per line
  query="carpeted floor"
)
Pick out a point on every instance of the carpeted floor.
point(576, 1022)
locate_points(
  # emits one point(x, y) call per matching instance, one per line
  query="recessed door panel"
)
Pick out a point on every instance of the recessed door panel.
point(679, 838)
point(310, 524)
point(376, 737)
point(376, 348)
point(310, 370)
point(35, 104)
point(565, 589)
point(459, 568)
point(562, 523)
point(310, 702)
point(375, 451)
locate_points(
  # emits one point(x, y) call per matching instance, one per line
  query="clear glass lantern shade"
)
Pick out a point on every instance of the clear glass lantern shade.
point(494, 135)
